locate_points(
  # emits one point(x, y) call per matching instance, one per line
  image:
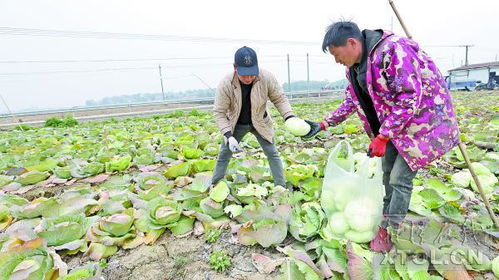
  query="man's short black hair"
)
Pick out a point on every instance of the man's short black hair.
point(338, 33)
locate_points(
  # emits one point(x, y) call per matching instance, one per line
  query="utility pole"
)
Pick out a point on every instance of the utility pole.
point(161, 81)
point(289, 79)
point(466, 57)
point(308, 74)
point(456, 46)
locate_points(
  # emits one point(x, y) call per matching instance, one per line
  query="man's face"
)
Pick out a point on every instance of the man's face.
point(349, 54)
point(247, 80)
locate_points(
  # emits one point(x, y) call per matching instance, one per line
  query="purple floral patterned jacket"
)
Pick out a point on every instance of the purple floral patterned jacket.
point(411, 100)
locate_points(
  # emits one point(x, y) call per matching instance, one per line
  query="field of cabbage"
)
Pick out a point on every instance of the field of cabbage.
point(131, 199)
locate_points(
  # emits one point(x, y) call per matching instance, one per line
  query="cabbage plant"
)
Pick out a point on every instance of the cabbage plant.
point(495, 266)
point(83, 272)
point(5, 217)
point(211, 207)
point(158, 215)
point(63, 229)
point(118, 163)
point(32, 177)
point(39, 207)
point(32, 260)
point(113, 230)
point(306, 221)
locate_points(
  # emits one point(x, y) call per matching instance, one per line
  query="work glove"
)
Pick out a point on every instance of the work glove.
point(315, 128)
point(377, 147)
point(233, 145)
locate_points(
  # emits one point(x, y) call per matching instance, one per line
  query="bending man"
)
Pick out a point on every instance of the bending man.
point(404, 104)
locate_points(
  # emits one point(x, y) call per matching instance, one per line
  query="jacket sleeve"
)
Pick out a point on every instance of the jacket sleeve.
point(403, 74)
point(278, 98)
point(346, 108)
point(221, 107)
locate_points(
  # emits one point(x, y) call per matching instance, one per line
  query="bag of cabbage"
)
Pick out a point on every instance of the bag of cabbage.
point(352, 195)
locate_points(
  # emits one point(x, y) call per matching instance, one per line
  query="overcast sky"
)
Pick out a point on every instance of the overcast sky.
point(80, 68)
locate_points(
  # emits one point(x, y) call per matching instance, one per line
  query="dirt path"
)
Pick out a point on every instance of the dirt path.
point(176, 258)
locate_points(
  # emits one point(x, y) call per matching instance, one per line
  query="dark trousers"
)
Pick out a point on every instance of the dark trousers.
point(397, 178)
point(268, 148)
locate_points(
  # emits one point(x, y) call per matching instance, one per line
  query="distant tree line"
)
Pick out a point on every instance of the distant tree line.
point(191, 94)
point(337, 85)
point(151, 97)
point(303, 85)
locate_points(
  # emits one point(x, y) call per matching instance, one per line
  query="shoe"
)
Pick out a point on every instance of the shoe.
point(382, 242)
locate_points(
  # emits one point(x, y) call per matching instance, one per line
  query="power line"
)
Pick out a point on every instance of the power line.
point(75, 71)
point(271, 60)
point(5, 30)
point(106, 69)
point(107, 60)
point(139, 68)
point(442, 46)
point(125, 60)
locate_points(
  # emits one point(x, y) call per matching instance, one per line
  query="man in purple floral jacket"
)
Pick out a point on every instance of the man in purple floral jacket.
point(405, 107)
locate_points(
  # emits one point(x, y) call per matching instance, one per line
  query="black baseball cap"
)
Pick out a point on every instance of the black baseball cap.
point(246, 62)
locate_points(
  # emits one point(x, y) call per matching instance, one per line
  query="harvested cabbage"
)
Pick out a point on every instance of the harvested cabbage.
point(338, 224)
point(297, 126)
point(361, 214)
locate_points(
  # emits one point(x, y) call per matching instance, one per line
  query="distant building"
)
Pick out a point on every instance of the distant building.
point(474, 76)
